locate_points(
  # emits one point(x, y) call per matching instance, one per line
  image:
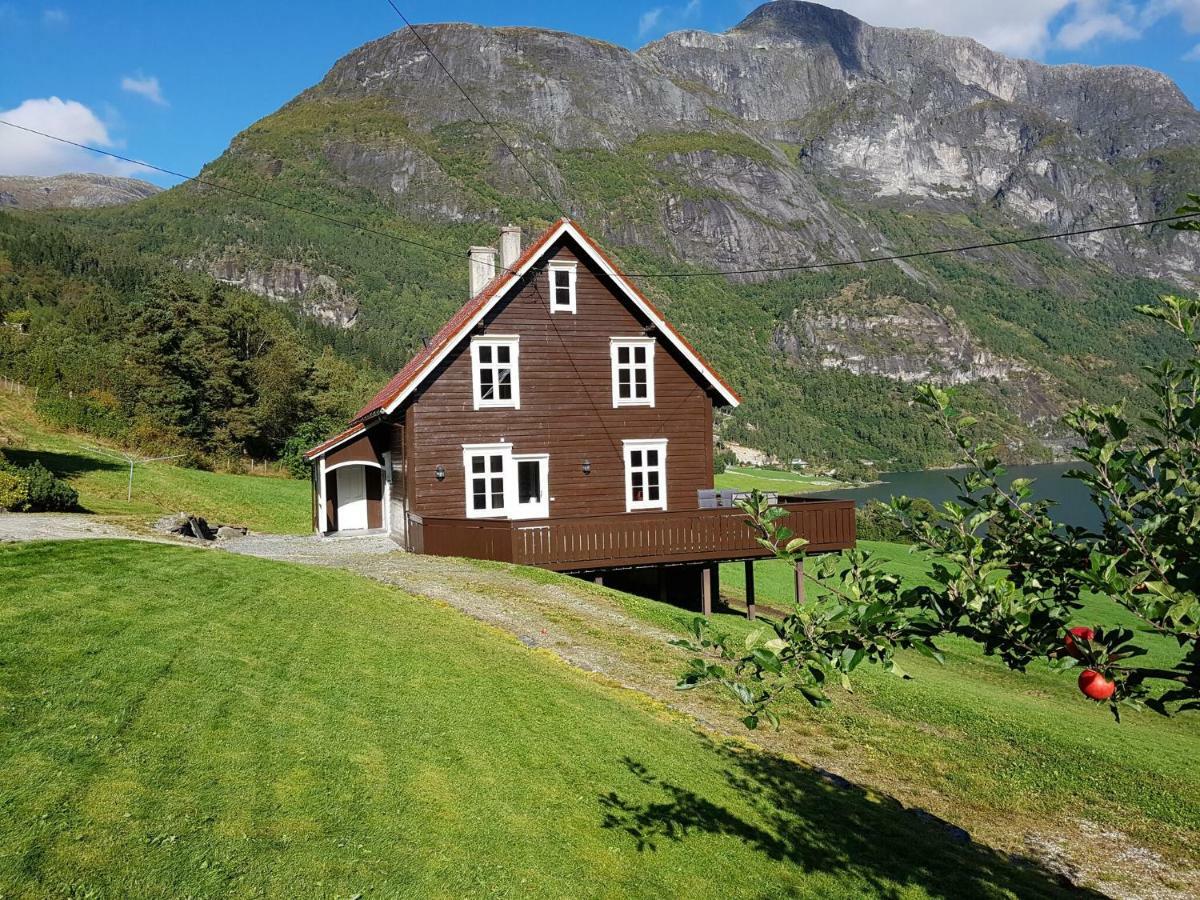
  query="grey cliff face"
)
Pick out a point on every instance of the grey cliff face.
point(74, 191)
point(843, 113)
point(317, 296)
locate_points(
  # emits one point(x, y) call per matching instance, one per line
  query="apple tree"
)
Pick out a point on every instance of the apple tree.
point(1003, 572)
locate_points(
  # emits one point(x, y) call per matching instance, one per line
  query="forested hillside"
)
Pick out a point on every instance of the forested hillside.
point(122, 346)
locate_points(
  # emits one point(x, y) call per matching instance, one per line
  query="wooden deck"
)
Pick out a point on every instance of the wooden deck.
point(584, 543)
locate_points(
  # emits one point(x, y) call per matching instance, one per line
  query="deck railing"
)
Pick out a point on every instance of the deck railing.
point(629, 539)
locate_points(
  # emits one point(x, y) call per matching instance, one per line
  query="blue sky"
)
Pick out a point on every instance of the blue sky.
point(172, 83)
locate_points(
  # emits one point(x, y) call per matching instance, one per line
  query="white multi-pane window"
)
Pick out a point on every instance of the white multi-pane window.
point(495, 372)
point(562, 286)
point(632, 371)
point(645, 474)
point(486, 468)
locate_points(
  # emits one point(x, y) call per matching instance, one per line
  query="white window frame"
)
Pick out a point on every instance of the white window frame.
point(552, 269)
point(513, 342)
point(540, 510)
point(659, 444)
point(615, 345)
point(504, 451)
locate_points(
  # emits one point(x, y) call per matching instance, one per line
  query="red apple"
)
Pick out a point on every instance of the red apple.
point(1079, 631)
point(1095, 685)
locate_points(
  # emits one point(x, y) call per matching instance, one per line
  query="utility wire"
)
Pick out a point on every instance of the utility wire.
point(697, 274)
point(916, 253)
point(553, 201)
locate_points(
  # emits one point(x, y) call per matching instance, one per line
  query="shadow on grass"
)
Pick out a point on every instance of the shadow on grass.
point(64, 465)
point(825, 824)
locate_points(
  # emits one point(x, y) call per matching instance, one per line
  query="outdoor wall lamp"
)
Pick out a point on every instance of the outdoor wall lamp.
point(587, 467)
point(439, 472)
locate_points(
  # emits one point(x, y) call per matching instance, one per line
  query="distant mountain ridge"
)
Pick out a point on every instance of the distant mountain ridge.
point(800, 136)
point(77, 190)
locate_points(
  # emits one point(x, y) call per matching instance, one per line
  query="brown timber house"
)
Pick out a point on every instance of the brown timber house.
point(557, 420)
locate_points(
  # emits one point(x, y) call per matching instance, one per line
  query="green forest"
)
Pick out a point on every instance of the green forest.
point(123, 347)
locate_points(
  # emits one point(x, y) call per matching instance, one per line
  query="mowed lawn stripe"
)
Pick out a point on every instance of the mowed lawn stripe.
point(182, 722)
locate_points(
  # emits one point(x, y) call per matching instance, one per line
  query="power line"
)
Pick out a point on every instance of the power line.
point(553, 201)
point(696, 274)
point(916, 253)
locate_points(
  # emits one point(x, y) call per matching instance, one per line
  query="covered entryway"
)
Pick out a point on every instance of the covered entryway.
point(354, 495)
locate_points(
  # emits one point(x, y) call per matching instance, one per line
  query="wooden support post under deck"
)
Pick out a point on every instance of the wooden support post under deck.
point(800, 580)
point(706, 585)
point(750, 589)
point(599, 579)
point(662, 584)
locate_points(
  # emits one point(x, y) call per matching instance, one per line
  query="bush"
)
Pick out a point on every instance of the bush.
point(306, 437)
point(47, 492)
point(875, 522)
point(723, 459)
point(14, 491)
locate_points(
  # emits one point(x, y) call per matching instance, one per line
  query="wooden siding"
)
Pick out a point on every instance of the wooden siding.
point(566, 406)
point(581, 543)
point(367, 447)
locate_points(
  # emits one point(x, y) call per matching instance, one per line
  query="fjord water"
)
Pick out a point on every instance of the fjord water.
point(1074, 506)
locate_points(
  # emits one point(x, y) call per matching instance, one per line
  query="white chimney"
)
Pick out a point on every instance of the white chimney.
point(510, 246)
point(483, 267)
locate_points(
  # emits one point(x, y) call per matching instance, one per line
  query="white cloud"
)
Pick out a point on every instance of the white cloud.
point(1192, 55)
point(144, 86)
point(1029, 27)
point(22, 153)
point(648, 20)
point(1096, 21)
point(1015, 26)
point(55, 18)
point(664, 18)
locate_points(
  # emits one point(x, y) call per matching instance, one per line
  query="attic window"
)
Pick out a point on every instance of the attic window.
point(495, 373)
point(562, 286)
point(632, 371)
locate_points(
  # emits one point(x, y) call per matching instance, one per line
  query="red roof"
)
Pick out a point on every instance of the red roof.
point(455, 329)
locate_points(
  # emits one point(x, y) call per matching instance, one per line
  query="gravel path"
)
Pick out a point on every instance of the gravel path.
point(547, 615)
point(59, 526)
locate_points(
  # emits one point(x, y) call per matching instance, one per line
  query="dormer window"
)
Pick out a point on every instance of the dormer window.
point(632, 371)
point(495, 372)
point(562, 287)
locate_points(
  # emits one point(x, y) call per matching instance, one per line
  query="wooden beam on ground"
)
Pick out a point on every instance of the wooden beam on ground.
point(706, 586)
point(800, 580)
point(750, 590)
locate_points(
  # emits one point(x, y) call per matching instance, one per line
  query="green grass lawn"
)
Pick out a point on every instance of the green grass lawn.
point(747, 478)
point(261, 503)
point(176, 722)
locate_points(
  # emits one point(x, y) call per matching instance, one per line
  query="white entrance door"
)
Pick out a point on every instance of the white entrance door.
point(352, 498)
point(532, 483)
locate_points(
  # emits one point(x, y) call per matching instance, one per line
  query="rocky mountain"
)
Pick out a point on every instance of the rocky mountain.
point(72, 191)
point(800, 136)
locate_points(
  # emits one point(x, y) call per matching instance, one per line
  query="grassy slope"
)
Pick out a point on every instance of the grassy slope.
point(1001, 753)
point(263, 504)
point(747, 478)
point(250, 728)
